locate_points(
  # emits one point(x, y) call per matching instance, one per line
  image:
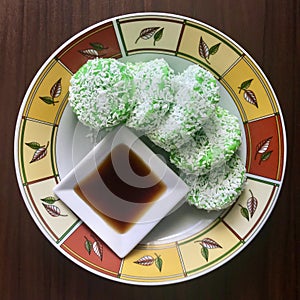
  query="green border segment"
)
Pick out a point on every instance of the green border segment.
point(150, 50)
point(275, 184)
point(122, 37)
point(52, 150)
point(21, 151)
point(68, 230)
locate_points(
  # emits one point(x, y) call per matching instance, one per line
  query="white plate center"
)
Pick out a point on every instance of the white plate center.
point(75, 140)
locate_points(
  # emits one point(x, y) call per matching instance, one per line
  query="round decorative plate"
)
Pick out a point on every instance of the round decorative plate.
point(188, 243)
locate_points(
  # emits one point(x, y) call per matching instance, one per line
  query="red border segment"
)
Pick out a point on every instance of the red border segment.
point(265, 147)
point(80, 245)
point(99, 42)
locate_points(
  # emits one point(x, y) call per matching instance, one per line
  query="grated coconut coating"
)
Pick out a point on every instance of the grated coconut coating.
point(101, 92)
point(212, 146)
point(195, 96)
point(152, 95)
point(178, 113)
point(219, 188)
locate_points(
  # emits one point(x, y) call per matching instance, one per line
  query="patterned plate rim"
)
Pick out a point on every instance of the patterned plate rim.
point(16, 150)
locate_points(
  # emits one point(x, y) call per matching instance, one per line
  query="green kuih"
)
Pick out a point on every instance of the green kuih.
point(219, 188)
point(211, 147)
point(195, 97)
point(152, 95)
point(101, 93)
point(179, 113)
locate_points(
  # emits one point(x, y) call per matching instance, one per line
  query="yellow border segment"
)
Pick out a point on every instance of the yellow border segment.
point(153, 263)
point(48, 93)
point(36, 150)
point(249, 90)
point(203, 46)
point(264, 83)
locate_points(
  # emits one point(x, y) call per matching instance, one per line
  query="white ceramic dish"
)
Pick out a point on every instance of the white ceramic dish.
point(122, 242)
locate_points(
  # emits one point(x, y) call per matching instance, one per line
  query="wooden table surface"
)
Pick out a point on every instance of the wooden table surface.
point(31, 268)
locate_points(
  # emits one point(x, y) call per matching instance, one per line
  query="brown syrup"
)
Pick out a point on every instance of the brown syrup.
point(103, 186)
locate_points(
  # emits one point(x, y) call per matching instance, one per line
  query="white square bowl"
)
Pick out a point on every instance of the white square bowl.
point(122, 242)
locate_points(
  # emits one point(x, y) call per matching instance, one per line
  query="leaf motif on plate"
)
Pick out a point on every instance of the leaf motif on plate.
point(158, 35)
point(265, 156)
point(49, 199)
point(148, 260)
point(40, 151)
point(205, 253)
point(89, 53)
point(88, 245)
point(55, 92)
point(210, 243)
point(56, 89)
point(93, 52)
point(245, 85)
point(33, 145)
point(97, 46)
point(262, 149)
point(248, 95)
point(158, 262)
point(97, 246)
point(147, 33)
point(214, 49)
point(98, 249)
point(244, 212)
point(252, 204)
point(53, 210)
point(205, 51)
point(206, 245)
point(48, 100)
point(263, 146)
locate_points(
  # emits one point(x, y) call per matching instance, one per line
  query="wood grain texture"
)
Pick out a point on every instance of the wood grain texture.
point(31, 268)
